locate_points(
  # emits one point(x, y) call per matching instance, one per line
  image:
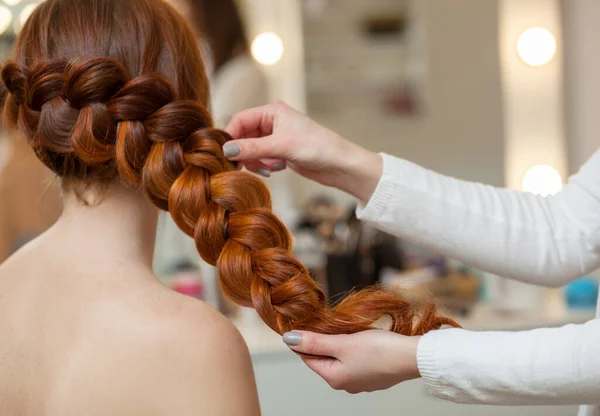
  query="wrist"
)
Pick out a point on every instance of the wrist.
point(404, 363)
point(412, 361)
point(361, 171)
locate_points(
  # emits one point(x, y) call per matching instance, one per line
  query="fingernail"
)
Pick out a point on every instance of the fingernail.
point(231, 150)
point(263, 172)
point(292, 339)
point(277, 167)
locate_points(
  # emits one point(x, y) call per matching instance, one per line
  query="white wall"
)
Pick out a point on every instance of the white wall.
point(581, 34)
point(460, 133)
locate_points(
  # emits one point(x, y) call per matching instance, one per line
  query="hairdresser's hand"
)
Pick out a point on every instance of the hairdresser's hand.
point(362, 362)
point(277, 135)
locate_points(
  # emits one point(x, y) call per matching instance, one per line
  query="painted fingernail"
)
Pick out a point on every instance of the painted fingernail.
point(292, 339)
point(277, 167)
point(231, 150)
point(263, 172)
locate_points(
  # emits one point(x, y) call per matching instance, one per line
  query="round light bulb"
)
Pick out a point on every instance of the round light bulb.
point(267, 48)
point(5, 18)
point(12, 2)
point(536, 46)
point(542, 180)
point(26, 12)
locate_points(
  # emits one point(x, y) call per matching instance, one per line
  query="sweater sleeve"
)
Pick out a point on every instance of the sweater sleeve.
point(540, 240)
point(559, 366)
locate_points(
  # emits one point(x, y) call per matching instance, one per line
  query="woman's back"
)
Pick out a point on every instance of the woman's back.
point(110, 95)
point(87, 329)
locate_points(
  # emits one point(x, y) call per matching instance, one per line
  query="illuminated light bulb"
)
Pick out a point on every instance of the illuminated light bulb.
point(536, 46)
point(542, 180)
point(12, 2)
point(5, 18)
point(267, 48)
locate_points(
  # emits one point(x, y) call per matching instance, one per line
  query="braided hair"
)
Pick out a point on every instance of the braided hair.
point(111, 90)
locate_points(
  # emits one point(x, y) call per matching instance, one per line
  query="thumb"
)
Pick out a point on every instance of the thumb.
point(254, 149)
point(311, 343)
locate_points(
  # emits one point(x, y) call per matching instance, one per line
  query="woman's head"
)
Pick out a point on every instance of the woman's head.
point(113, 90)
point(87, 71)
point(220, 24)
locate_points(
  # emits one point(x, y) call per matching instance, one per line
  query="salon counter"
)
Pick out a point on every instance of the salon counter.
point(287, 387)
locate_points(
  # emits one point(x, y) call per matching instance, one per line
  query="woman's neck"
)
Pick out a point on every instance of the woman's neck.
point(121, 225)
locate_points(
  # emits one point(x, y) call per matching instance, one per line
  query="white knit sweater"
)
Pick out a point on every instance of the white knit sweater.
point(546, 241)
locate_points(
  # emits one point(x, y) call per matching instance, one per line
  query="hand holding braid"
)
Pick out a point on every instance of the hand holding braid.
point(89, 119)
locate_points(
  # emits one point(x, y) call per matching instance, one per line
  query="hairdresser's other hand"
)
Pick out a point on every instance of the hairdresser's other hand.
point(276, 135)
point(363, 362)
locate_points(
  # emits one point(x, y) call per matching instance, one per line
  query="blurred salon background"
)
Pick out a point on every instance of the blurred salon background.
point(502, 92)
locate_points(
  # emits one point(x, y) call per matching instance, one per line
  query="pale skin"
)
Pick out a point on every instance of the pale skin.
point(275, 136)
point(88, 329)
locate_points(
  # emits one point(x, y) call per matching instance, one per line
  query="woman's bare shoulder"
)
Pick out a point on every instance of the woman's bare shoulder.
point(199, 360)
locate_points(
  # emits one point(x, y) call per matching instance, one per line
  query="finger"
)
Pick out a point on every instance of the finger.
point(257, 119)
point(313, 344)
point(246, 150)
point(274, 165)
point(258, 168)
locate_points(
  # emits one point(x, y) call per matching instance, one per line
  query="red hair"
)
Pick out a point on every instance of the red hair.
point(109, 90)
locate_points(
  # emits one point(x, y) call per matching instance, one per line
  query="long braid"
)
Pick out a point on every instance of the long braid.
point(72, 111)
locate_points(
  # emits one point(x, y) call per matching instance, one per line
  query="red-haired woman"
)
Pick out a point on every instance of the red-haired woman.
point(112, 97)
